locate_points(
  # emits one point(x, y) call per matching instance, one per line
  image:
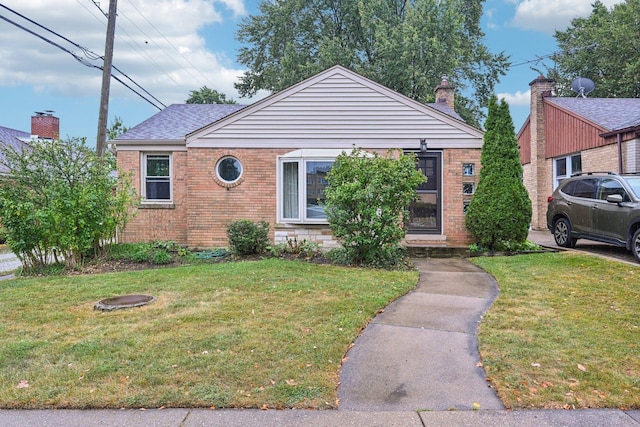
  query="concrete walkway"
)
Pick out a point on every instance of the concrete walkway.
point(421, 353)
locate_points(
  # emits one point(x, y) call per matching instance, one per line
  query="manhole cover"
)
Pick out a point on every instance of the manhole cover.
point(125, 301)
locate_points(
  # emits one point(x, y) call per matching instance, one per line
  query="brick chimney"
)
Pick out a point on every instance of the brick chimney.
point(45, 125)
point(541, 173)
point(445, 93)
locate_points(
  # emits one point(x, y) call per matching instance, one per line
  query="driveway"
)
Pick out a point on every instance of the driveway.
point(545, 238)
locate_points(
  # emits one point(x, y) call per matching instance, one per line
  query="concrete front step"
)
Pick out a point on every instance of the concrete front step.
point(430, 251)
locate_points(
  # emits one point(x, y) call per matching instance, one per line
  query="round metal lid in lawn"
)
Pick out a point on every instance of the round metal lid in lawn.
point(125, 301)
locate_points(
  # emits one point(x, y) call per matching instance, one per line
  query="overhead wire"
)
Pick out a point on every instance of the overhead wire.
point(169, 42)
point(88, 53)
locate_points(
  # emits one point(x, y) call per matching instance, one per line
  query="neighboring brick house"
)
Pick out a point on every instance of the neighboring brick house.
point(199, 167)
point(567, 135)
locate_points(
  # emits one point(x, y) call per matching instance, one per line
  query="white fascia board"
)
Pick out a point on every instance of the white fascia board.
point(152, 145)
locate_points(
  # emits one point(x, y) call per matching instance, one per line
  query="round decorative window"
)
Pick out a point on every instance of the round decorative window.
point(229, 169)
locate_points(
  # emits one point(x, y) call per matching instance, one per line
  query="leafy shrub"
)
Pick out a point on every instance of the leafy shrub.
point(303, 248)
point(158, 252)
point(366, 201)
point(388, 258)
point(247, 237)
point(4, 233)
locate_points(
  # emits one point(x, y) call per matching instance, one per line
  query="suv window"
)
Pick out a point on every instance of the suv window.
point(609, 186)
point(634, 183)
point(582, 188)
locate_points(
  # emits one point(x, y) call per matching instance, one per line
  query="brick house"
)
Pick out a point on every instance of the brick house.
point(567, 135)
point(199, 167)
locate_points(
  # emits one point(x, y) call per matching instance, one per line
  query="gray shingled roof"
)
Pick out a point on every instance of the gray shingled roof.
point(13, 138)
point(178, 120)
point(444, 108)
point(610, 113)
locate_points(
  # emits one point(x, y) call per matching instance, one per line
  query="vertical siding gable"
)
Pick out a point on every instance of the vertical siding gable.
point(341, 106)
point(567, 133)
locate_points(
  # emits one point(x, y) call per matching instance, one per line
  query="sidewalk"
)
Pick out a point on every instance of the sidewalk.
point(415, 365)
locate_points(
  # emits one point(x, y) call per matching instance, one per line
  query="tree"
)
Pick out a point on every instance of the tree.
point(117, 128)
point(603, 47)
point(405, 45)
point(366, 199)
point(59, 200)
point(500, 212)
point(208, 96)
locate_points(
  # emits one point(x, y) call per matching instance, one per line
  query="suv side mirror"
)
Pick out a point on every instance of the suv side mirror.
point(614, 198)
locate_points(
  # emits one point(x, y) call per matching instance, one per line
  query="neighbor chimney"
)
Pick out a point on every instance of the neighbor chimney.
point(445, 93)
point(541, 171)
point(45, 125)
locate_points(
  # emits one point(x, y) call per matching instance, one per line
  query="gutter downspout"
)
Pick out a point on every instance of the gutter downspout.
point(620, 153)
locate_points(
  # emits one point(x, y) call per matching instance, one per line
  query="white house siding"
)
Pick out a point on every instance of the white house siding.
point(337, 110)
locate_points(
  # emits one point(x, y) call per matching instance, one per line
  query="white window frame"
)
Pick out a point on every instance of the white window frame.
point(557, 179)
point(143, 178)
point(301, 158)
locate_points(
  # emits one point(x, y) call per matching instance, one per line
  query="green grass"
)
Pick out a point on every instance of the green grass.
point(242, 334)
point(564, 331)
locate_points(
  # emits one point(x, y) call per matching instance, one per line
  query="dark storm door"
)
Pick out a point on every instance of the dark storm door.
point(425, 214)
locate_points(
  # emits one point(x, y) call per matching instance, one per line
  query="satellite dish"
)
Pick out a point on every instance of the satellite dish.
point(583, 86)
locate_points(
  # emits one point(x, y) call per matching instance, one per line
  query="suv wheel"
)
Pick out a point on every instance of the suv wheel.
point(635, 244)
point(562, 233)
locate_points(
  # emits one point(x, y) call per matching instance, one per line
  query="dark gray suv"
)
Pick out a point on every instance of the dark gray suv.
point(601, 206)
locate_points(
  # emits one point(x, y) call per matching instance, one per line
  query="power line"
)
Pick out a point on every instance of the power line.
point(88, 53)
point(168, 41)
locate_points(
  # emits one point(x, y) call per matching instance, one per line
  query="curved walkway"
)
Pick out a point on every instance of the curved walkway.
point(421, 353)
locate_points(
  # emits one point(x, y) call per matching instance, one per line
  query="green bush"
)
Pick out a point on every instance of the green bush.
point(303, 248)
point(60, 201)
point(366, 201)
point(158, 253)
point(247, 237)
point(4, 233)
point(500, 212)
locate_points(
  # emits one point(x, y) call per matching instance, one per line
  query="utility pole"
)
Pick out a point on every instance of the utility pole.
point(101, 142)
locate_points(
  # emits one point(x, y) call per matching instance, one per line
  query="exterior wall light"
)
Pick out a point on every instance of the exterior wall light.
point(423, 145)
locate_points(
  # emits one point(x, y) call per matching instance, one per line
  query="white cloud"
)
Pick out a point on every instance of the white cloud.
point(516, 99)
point(550, 15)
point(157, 44)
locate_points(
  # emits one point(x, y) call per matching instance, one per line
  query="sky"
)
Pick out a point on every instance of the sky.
point(164, 49)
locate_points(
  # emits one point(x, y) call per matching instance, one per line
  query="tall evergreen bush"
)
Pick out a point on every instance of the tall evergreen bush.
point(500, 211)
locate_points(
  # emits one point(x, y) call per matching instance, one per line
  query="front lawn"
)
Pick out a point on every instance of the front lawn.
point(564, 332)
point(266, 333)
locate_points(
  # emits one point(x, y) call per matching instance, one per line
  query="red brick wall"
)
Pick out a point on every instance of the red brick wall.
point(45, 126)
point(153, 223)
point(200, 221)
point(212, 205)
point(453, 217)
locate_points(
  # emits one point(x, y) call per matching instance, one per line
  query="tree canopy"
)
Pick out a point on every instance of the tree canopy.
point(206, 95)
point(405, 45)
point(604, 47)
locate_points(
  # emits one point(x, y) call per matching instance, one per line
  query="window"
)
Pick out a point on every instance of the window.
point(465, 206)
point(468, 188)
point(468, 169)
point(302, 189)
point(302, 179)
point(229, 169)
point(610, 186)
point(157, 177)
point(564, 167)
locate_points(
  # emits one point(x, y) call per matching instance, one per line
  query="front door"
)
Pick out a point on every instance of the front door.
point(425, 214)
